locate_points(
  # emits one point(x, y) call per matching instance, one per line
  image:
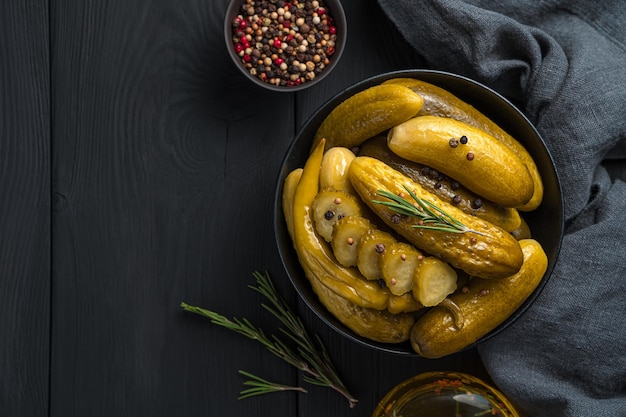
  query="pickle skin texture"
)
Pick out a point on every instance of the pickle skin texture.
point(367, 114)
point(486, 250)
point(504, 217)
point(377, 325)
point(494, 172)
point(486, 305)
point(440, 102)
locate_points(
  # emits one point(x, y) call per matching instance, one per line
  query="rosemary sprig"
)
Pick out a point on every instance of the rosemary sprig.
point(309, 357)
point(263, 386)
point(431, 216)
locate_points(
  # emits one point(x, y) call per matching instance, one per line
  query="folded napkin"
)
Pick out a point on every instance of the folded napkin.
point(564, 63)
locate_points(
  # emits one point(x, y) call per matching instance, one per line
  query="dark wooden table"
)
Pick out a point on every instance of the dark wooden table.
point(137, 170)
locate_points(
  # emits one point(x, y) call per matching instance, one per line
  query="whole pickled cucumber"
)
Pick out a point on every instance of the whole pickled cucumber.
point(471, 156)
point(483, 250)
point(442, 186)
point(484, 305)
point(440, 102)
point(367, 114)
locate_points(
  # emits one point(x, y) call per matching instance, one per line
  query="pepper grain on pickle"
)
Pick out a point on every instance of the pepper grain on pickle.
point(284, 43)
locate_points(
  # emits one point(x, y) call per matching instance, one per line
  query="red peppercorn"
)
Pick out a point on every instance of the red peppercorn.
point(286, 24)
point(238, 47)
point(332, 30)
point(277, 43)
point(278, 61)
point(321, 11)
point(243, 24)
point(246, 58)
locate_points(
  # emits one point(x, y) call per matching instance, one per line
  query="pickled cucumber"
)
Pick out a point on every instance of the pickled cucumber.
point(367, 114)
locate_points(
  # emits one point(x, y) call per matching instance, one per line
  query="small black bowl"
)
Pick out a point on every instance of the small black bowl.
point(546, 223)
point(335, 9)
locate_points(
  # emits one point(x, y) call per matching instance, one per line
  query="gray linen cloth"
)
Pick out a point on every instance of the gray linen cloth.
point(564, 63)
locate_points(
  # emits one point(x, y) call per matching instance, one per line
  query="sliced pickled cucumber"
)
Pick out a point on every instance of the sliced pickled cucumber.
point(370, 250)
point(398, 264)
point(330, 206)
point(434, 280)
point(347, 233)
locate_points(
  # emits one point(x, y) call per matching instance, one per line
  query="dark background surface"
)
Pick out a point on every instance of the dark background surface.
point(137, 170)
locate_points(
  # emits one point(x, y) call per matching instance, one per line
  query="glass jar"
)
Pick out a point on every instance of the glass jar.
point(444, 394)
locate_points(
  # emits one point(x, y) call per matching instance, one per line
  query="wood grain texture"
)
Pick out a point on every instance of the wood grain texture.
point(167, 159)
point(25, 209)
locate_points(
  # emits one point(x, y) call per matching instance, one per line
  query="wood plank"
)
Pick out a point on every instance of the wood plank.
point(25, 209)
point(167, 160)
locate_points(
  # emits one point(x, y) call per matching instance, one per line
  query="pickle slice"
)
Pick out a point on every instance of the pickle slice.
point(398, 265)
point(346, 236)
point(370, 251)
point(330, 206)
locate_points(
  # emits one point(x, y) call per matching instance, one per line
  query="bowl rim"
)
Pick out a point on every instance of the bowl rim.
point(338, 14)
point(302, 286)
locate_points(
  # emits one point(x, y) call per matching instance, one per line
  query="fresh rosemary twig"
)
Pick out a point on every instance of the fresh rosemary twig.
point(431, 217)
point(309, 357)
point(262, 386)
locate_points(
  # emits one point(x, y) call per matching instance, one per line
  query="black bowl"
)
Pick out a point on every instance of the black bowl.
point(546, 222)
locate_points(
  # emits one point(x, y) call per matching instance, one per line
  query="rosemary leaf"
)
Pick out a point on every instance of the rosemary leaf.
point(432, 217)
point(262, 386)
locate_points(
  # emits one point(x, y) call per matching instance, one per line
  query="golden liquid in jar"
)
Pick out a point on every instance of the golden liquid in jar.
point(444, 395)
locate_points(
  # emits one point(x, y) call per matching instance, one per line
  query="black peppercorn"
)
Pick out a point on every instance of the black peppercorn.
point(477, 203)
